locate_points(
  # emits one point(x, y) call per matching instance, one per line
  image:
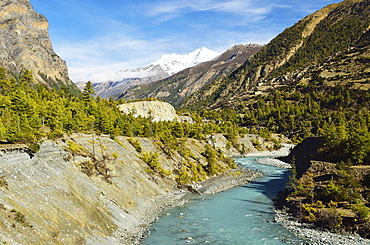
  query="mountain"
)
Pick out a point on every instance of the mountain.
point(179, 86)
point(285, 61)
point(174, 63)
point(115, 83)
point(25, 44)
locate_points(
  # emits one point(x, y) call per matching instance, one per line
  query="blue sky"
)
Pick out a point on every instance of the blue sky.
point(96, 36)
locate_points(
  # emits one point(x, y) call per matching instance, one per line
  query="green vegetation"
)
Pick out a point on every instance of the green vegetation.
point(18, 216)
point(337, 114)
point(136, 144)
point(30, 112)
point(340, 115)
point(302, 46)
point(338, 202)
point(74, 147)
point(151, 158)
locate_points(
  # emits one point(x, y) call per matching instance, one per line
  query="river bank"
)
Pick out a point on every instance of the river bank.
point(283, 151)
point(159, 206)
point(314, 235)
point(232, 179)
point(225, 181)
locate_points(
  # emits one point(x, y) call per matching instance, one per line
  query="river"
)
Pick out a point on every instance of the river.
point(242, 215)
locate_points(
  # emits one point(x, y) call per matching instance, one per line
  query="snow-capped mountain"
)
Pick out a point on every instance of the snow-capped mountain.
point(173, 63)
point(112, 83)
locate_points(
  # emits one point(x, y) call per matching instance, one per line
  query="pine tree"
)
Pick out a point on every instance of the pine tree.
point(88, 92)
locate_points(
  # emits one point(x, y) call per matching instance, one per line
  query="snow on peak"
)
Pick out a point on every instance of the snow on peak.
point(173, 63)
point(167, 65)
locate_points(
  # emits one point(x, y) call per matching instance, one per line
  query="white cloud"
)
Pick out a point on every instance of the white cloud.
point(96, 37)
point(172, 9)
point(116, 43)
point(89, 60)
point(117, 76)
point(110, 54)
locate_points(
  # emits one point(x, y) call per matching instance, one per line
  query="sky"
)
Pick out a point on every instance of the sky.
point(96, 36)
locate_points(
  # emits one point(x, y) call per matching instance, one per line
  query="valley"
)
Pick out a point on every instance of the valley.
point(98, 163)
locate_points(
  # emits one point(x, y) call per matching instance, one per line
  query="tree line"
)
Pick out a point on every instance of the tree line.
point(30, 111)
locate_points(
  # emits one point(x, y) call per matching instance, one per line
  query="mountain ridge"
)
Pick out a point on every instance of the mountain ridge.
point(117, 82)
point(179, 86)
point(310, 41)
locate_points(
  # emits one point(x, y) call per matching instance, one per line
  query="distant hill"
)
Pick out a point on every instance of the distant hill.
point(110, 84)
point(25, 44)
point(330, 43)
point(179, 86)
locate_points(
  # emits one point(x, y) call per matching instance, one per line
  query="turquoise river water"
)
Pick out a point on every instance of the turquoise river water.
point(242, 215)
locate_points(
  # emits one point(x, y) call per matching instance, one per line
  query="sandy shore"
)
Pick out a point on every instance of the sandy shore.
point(274, 162)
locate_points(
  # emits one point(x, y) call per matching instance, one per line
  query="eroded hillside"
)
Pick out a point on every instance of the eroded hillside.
point(90, 189)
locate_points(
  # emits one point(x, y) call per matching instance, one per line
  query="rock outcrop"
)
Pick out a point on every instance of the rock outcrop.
point(303, 154)
point(157, 110)
point(25, 44)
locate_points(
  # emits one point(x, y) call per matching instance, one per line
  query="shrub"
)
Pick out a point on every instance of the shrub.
point(74, 147)
point(334, 192)
point(18, 216)
point(362, 212)
point(311, 212)
point(183, 177)
point(136, 144)
point(3, 182)
point(115, 155)
point(56, 134)
point(119, 142)
point(151, 158)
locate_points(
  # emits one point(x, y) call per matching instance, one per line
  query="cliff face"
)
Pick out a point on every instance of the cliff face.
point(25, 44)
point(87, 189)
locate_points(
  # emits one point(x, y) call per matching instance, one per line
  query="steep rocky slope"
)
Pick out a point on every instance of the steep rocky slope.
point(87, 189)
point(182, 84)
point(25, 44)
point(314, 39)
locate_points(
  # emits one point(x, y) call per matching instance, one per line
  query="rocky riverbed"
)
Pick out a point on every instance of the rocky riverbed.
point(314, 235)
